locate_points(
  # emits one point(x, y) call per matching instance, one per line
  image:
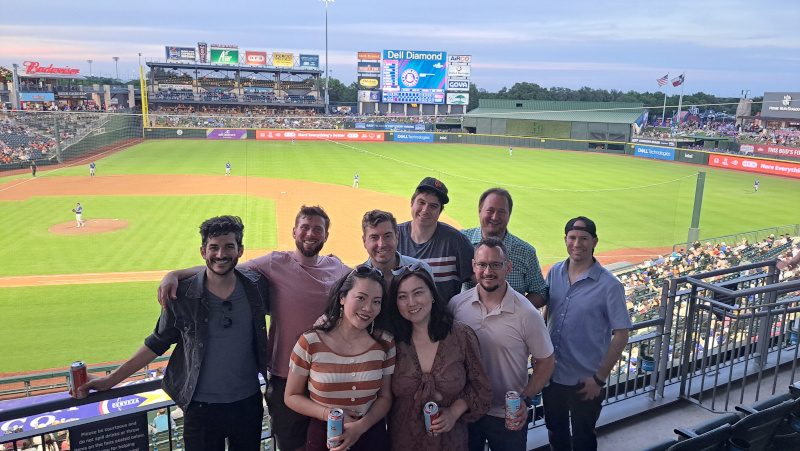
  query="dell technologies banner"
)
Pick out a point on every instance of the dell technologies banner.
point(659, 153)
point(414, 137)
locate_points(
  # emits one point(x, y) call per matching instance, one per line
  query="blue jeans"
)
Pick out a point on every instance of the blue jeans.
point(563, 406)
point(207, 425)
point(493, 430)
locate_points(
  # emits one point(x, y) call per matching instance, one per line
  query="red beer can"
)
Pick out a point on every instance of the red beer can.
point(78, 375)
point(431, 412)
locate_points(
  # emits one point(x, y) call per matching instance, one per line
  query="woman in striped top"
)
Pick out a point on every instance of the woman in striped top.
point(346, 363)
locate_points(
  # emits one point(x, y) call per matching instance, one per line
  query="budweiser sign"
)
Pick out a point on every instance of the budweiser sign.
point(33, 67)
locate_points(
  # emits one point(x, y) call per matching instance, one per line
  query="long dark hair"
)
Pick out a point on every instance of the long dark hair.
point(343, 286)
point(441, 322)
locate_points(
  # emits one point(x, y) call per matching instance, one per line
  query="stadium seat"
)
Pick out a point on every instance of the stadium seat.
point(714, 439)
point(757, 428)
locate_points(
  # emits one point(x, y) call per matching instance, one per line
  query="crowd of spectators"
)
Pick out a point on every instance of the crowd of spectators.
point(20, 143)
point(787, 137)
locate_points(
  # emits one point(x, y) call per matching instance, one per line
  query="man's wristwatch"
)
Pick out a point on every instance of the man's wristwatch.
point(527, 400)
point(600, 383)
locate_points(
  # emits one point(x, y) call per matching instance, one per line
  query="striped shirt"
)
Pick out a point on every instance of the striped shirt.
point(335, 380)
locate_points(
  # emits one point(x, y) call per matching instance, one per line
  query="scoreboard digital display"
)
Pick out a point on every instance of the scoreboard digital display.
point(411, 76)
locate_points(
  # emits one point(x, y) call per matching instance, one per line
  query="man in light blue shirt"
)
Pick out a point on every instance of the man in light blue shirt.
point(380, 241)
point(589, 324)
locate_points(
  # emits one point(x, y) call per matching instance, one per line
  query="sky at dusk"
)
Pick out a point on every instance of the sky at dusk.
point(722, 46)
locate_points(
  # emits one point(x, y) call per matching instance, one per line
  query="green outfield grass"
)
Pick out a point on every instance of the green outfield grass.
point(635, 203)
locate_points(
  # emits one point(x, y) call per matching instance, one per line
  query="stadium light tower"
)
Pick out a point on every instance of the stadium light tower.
point(327, 74)
point(90, 66)
point(116, 65)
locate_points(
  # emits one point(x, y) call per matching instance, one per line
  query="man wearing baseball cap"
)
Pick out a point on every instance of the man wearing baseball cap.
point(443, 247)
point(589, 324)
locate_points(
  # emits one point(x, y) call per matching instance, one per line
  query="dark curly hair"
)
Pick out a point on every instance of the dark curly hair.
point(222, 225)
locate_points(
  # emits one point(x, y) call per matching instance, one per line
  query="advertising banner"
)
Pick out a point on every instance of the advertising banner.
point(224, 55)
point(202, 52)
point(458, 85)
point(454, 98)
point(369, 96)
point(659, 153)
point(753, 165)
point(369, 56)
point(369, 68)
point(181, 54)
point(283, 59)
point(465, 60)
point(654, 142)
point(414, 137)
point(784, 105)
point(255, 58)
point(224, 133)
point(37, 97)
point(767, 149)
point(389, 126)
point(414, 70)
point(458, 70)
point(313, 135)
point(309, 61)
point(368, 82)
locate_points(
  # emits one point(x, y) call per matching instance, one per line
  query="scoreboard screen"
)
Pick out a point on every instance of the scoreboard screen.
point(410, 76)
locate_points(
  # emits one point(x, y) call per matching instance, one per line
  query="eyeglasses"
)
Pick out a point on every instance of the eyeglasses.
point(416, 266)
point(365, 270)
point(227, 307)
point(494, 265)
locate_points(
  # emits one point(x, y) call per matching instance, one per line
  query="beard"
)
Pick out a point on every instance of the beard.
point(233, 263)
point(490, 288)
point(308, 253)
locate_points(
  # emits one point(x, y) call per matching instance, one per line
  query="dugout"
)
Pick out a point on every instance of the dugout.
point(590, 125)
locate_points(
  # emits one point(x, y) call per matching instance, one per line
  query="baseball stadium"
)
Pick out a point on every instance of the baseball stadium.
point(146, 165)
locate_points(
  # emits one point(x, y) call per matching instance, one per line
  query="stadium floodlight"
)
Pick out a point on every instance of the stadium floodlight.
point(116, 65)
point(327, 74)
point(90, 66)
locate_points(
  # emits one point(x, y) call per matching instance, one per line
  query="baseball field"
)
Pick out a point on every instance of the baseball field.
point(88, 293)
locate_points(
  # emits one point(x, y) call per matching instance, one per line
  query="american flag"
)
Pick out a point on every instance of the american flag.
point(663, 80)
point(677, 81)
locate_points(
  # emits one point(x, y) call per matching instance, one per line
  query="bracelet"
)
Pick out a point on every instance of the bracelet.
point(598, 381)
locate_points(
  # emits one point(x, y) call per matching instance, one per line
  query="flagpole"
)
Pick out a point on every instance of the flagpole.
point(664, 109)
point(680, 101)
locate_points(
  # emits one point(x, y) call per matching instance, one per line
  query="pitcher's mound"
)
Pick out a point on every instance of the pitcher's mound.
point(92, 226)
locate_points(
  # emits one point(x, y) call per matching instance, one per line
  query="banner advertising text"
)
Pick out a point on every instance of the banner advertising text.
point(389, 126)
point(369, 68)
point(181, 54)
point(283, 59)
point(654, 142)
point(304, 135)
point(413, 97)
point(454, 98)
point(309, 61)
point(224, 133)
point(255, 58)
point(458, 85)
point(752, 165)
point(202, 52)
point(368, 82)
point(460, 59)
point(414, 137)
point(224, 55)
point(369, 96)
point(659, 153)
point(766, 149)
point(369, 56)
point(458, 70)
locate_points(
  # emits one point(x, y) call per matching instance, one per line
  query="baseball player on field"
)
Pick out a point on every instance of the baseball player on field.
point(78, 210)
point(91, 169)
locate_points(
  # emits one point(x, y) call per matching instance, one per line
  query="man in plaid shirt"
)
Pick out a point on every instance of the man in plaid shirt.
point(494, 211)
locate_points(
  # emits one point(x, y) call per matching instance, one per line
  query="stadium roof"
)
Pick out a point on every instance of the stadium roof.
point(570, 111)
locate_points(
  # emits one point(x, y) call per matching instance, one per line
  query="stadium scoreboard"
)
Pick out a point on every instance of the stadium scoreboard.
point(412, 76)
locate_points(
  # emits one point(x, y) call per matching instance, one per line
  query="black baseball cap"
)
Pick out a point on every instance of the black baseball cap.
point(435, 185)
point(589, 228)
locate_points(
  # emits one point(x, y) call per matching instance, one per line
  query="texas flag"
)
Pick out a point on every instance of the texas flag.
point(677, 81)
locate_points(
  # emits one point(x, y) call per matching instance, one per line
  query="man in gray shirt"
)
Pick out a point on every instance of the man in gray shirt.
point(218, 325)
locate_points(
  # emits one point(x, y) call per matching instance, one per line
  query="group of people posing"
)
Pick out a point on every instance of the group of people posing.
point(434, 314)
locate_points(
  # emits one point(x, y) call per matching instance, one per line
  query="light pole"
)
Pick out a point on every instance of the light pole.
point(140, 59)
point(90, 66)
point(327, 75)
point(116, 65)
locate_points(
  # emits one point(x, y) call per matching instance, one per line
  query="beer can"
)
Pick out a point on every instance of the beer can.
point(78, 375)
point(431, 412)
point(335, 426)
point(513, 404)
